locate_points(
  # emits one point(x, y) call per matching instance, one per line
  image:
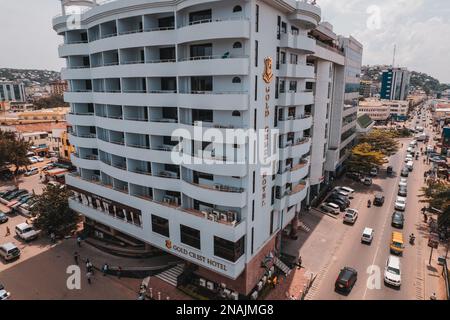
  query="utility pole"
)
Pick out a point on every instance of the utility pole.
point(393, 58)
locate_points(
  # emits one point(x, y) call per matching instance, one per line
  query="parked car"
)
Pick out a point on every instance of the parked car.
point(15, 194)
point(9, 251)
point(397, 220)
point(339, 202)
point(32, 160)
point(389, 170)
point(330, 207)
point(402, 191)
point(410, 165)
point(346, 280)
point(392, 272)
point(26, 232)
point(4, 295)
point(374, 172)
point(403, 182)
point(350, 216)
point(400, 204)
point(32, 171)
point(404, 172)
point(367, 235)
point(367, 181)
point(3, 218)
point(39, 159)
point(354, 176)
point(336, 195)
point(344, 191)
point(379, 200)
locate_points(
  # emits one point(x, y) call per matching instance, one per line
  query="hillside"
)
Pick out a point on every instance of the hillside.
point(29, 76)
point(419, 80)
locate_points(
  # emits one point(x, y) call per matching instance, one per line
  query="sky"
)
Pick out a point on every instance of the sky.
point(420, 29)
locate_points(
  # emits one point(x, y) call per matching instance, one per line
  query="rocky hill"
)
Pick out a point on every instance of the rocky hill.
point(29, 76)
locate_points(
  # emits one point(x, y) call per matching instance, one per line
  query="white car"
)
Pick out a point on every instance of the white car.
point(26, 232)
point(4, 295)
point(408, 158)
point(330, 207)
point(346, 191)
point(367, 235)
point(32, 159)
point(39, 159)
point(350, 216)
point(400, 203)
point(410, 165)
point(403, 182)
point(392, 272)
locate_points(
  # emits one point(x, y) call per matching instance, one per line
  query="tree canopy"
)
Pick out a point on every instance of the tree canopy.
point(437, 194)
point(52, 211)
point(364, 157)
point(13, 150)
point(381, 141)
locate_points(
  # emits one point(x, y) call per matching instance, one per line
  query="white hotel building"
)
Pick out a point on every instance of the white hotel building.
point(140, 69)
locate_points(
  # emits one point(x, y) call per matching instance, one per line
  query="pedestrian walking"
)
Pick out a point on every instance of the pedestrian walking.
point(52, 237)
point(105, 269)
point(75, 257)
point(8, 232)
point(79, 242)
point(89, 266)
point(119, 272)
point(88, 277)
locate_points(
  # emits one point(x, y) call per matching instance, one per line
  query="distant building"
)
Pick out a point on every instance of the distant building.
point(365, 88)
point(383, 110)
point(57, 114)
point(58, 87)
point(364, 124)
point(12, 91)
point(395, 84)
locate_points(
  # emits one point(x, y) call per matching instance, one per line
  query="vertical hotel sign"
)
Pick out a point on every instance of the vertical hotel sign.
point(267, 77)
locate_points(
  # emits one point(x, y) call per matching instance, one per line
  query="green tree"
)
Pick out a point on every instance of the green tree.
point(437, 194)
point(381, 141)
point(13, 150)
point(364, 157)
point(52, 211)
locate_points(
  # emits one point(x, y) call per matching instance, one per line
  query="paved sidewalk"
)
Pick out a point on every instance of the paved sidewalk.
point(291, 287)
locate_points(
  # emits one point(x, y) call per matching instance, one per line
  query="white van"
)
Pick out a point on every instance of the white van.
point(392, 272)
point(32, 171)
point(9, 251)
point(26, 232)
point(367, 235)
point(410, 165)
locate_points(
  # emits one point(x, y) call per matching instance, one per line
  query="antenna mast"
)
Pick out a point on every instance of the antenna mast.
point(393, 58)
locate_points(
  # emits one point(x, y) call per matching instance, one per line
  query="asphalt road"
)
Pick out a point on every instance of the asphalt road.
point(360, 256)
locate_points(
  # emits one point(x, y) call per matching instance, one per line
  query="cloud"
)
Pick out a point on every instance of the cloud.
point(416, 27)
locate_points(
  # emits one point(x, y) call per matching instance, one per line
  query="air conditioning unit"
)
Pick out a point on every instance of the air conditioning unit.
point(227, 292)
point(210, 285)
point(202, 282)
point(234, 296)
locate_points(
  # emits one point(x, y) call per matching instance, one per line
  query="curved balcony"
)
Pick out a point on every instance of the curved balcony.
point(218, 195)
point(76, 73)
point(137, 126)
point(154, 98)
point(297, 71)
point(293, 197)
point(295, 124)
point(297, 149)
point(156, 68)
point(87, 162)
point(81, 119)
point(214, 65)
point(214, 100)
point(296, 98)
point(307, 15)
point(291, 175)
point(84, 141)
point(298, 42)
point(73, 49)
point(217, 167)
point(228, 28)
point(157, 37)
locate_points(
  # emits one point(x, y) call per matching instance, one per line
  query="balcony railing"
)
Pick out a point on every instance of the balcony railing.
point(191, 23)
point(229, 217)
point(219, 187)
point(213, 57)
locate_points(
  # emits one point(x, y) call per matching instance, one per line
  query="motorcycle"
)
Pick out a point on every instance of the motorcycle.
point(369, 204)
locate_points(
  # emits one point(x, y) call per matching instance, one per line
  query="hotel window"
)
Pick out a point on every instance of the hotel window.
point(256, 52)
point(257, 19)
point(283, 27)
point(237, 9)
point(201, 84)
point(229, 250)
point(253, 236)
point(271, 221)
point(237, 45)
point(293, 86)
point(190, 236)
point(201, 50)
point(236, 80)
point(254, 176)
point(160, 225)
point(279, 28)
point(200, 16)
point(256, 88)
point(294, 59)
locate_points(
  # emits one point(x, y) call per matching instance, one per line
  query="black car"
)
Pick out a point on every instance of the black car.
point(397, 220)
point(402, 191)
point(334, 197)
point(346, 280)
point(3, 218)
point(379, 200)
point(390, 170)
point(405, 172)
point(353, 175)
